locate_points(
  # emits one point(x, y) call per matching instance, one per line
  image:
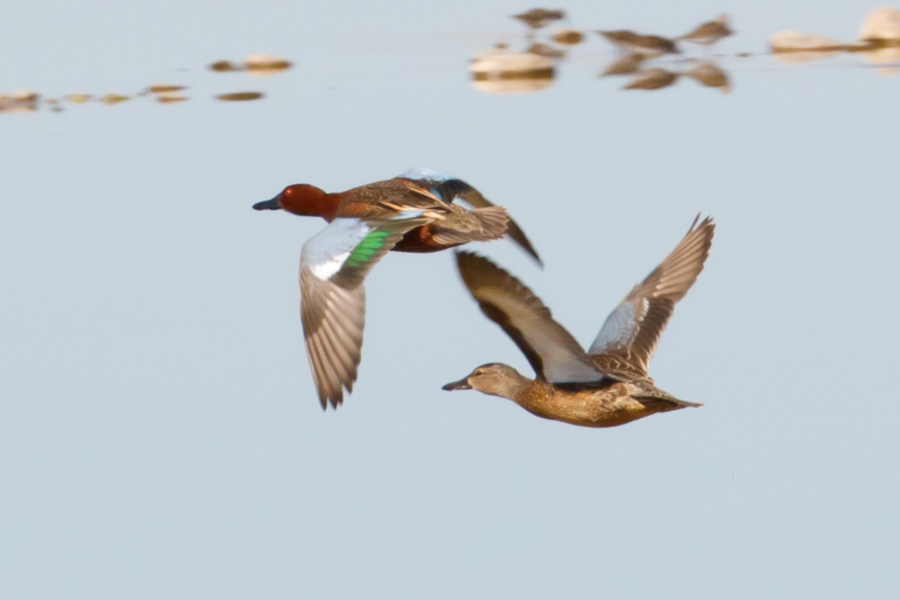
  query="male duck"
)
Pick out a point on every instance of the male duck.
point(414, 212)
point(606, 386)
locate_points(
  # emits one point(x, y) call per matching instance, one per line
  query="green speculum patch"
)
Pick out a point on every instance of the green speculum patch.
point(367, 248)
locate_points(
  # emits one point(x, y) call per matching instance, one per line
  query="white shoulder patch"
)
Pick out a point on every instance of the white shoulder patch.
point(325, 253)
point(425, 173)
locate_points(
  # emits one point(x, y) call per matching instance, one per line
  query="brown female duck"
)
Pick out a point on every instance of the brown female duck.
point(606, 386)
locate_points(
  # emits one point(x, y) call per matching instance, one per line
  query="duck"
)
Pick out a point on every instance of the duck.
point(606, 386)
point(647, 45)
point(538, 18)
point(710, 32)
point(416, 211)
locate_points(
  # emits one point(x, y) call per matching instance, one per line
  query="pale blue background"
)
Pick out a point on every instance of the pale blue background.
point(159, 433)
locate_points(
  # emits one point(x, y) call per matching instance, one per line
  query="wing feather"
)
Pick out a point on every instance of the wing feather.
point(551, 350)
point(333, 265)
point(629, 336)
point(450, 188)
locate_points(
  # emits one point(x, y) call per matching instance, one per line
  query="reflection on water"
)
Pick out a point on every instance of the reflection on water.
point(504, 71)
point(257, 65)
point(240, 96)
point(879, 42)
point(22, 101)
point(507, 71)
point(78, 98)
point(625, 65)
point(652, 79)
point(887, 55)
point(641, 49)
point(568, 37)
point(792, 46)
point(164, 88)
point(654, 61)
point(113, 99)
point(635, 43)
point(709, 74)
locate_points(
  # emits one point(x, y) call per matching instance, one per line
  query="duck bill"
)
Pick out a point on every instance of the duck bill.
point(267, 205)
point(462, 384)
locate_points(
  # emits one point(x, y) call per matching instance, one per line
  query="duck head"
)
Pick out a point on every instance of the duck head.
point(304, 200)
point(495, 379)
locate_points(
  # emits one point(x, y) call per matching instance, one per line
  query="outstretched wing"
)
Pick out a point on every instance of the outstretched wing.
point(630, 333)
point(449, 188)
point(333, 264)
point(552, 351)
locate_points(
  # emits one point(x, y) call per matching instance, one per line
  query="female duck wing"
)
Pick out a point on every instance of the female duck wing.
point(630, 333)
point(333, 264)
point(449, 188)
point(551, 350)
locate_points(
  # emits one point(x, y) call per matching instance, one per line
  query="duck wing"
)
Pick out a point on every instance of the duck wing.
point(450, 188)
point(333, 264)
point(551, 350)
point(630, 333)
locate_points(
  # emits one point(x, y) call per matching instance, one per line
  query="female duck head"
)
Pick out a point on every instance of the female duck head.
point(495, 379)
point(304, 200)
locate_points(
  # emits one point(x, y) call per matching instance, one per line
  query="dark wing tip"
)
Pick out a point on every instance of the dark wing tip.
point(516, 234)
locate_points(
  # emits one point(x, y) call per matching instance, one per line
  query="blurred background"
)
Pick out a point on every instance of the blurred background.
point(160, 436)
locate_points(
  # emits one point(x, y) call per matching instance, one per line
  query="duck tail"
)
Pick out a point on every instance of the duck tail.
point(493, 221)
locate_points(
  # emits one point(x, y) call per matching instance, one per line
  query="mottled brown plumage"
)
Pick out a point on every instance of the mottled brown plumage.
point(606, 386)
